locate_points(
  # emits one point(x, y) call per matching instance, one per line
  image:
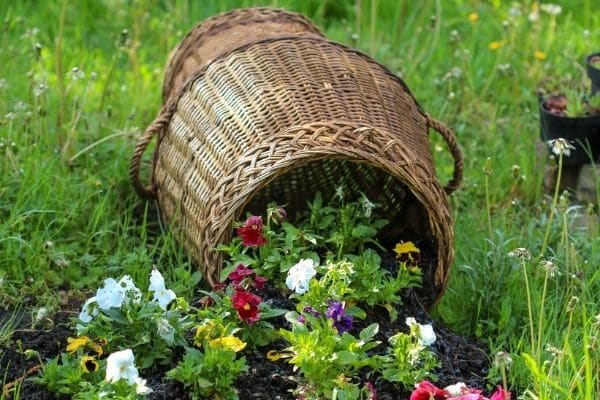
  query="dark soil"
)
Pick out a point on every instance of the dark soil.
point(462, 359)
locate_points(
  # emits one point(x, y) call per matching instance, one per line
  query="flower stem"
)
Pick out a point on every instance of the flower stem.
point(541, 317)
point(529, 307)
point(553, 205)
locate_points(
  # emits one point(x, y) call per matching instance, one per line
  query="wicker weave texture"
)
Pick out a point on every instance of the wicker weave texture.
point(225, 32)
point(279, 118)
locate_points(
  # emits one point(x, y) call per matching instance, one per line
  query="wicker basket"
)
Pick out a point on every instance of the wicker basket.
point(260, 107)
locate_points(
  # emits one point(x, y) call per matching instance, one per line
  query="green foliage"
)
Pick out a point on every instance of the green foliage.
point(209, 374)
point(328, 362)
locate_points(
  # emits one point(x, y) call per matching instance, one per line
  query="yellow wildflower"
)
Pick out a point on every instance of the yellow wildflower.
point(405, 248)
point(88, 364)
point(229, 342)
point(274, 355)
point(540, 55)
point(496, 44)
point(473, 17)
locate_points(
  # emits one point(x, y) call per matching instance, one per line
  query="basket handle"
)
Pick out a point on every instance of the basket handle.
point(156, 127)
point(450, 139)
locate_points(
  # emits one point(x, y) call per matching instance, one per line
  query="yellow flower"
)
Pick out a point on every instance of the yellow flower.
point(496, 44)
point(540, 55)
point(229, 342)
point(209, 329)
point(76, 343)
point(405, 248)
point(473, 17)
point(274, 355)
point(88, 364)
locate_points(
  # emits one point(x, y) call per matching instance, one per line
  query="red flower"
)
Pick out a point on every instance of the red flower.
point(428, 391)
point(500, 394)
point(239, 274)
point(246, 304)
point(252, 232)
point(243, 273)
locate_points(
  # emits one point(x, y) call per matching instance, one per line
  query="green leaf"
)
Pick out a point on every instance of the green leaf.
point(369, 331)
point(363, 231)
point(347, 357)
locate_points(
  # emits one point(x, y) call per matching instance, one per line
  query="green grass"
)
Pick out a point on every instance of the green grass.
point(69, 218)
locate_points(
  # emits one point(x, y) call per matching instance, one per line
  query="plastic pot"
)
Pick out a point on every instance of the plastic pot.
point(582, 132)
point(593, 72)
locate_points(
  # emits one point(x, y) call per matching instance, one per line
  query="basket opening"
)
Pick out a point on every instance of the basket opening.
point(408, 218)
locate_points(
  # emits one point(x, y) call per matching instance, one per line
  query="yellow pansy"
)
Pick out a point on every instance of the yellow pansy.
point(496, 44)
point(406, 248)
point(473, 17)
point(88, 364)
point(229, 342)
point(76, 343)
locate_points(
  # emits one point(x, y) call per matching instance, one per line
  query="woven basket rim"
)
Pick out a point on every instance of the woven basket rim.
point(171, 105)
point(208, 26)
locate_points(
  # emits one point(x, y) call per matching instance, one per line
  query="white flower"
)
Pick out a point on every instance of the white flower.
point(299, 276)
point(114, 294)
point(425, 333)
point(561, 146)
point(85, 315)
point(550, 8)
point(165, 330)
point(110, 295)
point(457, 389)
point(120, 365)
point(141, 388)
point(161, 294)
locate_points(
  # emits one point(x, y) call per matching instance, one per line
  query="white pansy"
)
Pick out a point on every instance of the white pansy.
point(121, 365)
point(299, 276)
point(110, 295)
point(165, 330)
point(130, 291)
point(88, 313)
point(425, 333)
point(163, 295)
point(457, 389)
point(141, 388)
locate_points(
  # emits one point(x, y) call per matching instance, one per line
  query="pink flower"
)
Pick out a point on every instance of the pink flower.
point(500, 394)
point(428, 391)
point(252, 232)
point(243, 274)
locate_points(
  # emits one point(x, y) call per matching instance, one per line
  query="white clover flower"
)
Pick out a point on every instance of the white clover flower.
point(299, 276)
point(141, 388)
point(121, 365)
point(163, 295)
point(165, 330)
point(459, 388)
point(560, 146)
point(425, 333)
point(550, 8)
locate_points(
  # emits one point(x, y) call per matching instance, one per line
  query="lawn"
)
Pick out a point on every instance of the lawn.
point(80, 82)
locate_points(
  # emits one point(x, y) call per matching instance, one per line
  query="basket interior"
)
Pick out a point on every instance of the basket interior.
point(408, 218)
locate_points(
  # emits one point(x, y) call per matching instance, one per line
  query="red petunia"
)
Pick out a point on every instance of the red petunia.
point(252, 232)
point(428, 391)
point(246, 304)
point(500, 394)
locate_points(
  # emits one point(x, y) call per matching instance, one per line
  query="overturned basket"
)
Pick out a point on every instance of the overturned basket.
point(260, 107)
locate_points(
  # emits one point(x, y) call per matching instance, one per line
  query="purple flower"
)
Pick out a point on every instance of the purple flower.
point(301, 319)
point(311, 311)
point(341, 322)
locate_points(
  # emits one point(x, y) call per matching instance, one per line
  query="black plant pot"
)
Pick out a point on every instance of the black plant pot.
point(582, 132)
point(593, 72)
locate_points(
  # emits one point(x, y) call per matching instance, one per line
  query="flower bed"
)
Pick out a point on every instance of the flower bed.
point(317, 309)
